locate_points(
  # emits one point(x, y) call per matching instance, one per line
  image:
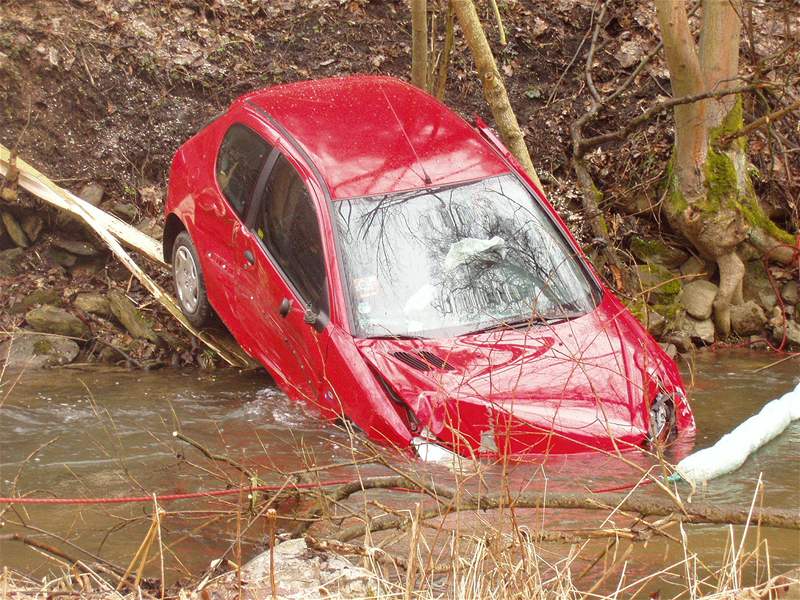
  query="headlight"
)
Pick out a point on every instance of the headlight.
point(662, 418)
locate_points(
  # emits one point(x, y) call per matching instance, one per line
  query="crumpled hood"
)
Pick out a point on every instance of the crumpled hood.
point(570, 387)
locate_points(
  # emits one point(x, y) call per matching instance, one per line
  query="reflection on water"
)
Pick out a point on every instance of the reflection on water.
point(110, 433)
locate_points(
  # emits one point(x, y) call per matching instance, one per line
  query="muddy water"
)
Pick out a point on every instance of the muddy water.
point(71, 433)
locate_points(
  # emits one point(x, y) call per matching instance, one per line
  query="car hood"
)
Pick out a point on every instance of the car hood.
point(574, 386)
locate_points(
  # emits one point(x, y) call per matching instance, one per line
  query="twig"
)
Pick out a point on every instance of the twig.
point(761, 122)
point(217, 457)
point(499, 19)
point(585, 144)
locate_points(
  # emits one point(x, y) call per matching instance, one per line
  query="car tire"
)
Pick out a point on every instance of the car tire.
point(190, 286)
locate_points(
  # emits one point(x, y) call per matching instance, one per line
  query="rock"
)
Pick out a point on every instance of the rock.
point(767, 299)
point(755, 280)
point(630, 53)
point(93, 193)
point(539, 26)
point(698, 330)
point(131, 318)
point(151, 226)
point(669, 349)
point(96, 304)
point(60, 257)
point(50, 319)
point(696, 268)
point(790, 292)
point(792, 331)
point(14, 230)
point(32, 226)
point(124, 210)
point(681, 340)
point(37, 351)
point(657, 252)
point(659, 283)
point(36, 297)
point(697, 298)
point(656, 323)
point(75, 247)
point(301, 573)
point(747, 319)
point(10, 261)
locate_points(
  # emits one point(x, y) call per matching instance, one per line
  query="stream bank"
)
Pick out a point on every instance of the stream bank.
point(99, 94)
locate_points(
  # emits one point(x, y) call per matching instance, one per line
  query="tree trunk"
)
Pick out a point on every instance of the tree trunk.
point(493, 89)
point(419, 43)
point(710, 196)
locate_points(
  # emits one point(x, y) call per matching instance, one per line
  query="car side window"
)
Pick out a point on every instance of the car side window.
point(241, 157)
point(287, 224)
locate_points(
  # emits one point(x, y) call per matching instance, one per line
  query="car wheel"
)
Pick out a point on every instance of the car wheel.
point(189, 283)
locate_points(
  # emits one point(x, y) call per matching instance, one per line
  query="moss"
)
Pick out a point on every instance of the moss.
point(638, 308)
point(756, 216)
point(732, 122)
point(661, 284)
point(598, 198)
point(676, 202)
point(42, 347)
point(669, 311)
point(646, 248)
point(721, 181)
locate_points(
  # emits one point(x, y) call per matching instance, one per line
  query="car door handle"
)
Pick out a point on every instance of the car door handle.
point(249, 257)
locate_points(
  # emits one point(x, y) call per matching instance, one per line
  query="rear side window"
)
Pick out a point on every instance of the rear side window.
point(241, 156)
point(288, 226)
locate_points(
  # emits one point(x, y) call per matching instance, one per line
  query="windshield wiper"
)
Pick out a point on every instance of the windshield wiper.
point(521, 323)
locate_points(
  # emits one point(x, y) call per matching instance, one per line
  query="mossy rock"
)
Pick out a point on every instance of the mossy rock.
point(10, 261)
point(37, 351)
point(657, 252)
point(93, 303)
point(131, 317)
point(659, 284)
point(40, 296)
point(756, 280)
point(14, 230)
point(51, 319)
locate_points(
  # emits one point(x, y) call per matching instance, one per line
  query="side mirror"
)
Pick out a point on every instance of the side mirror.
point(317, 320)
point(285, 307)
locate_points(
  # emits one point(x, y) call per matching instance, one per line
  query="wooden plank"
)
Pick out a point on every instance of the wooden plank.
point(113, 231)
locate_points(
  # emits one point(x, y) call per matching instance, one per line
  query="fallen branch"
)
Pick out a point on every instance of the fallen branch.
point(111, 230)
point(696, 513)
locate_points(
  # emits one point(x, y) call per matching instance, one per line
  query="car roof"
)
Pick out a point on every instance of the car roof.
point(370, 135)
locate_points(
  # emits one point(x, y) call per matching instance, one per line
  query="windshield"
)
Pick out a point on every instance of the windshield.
point(438, 263)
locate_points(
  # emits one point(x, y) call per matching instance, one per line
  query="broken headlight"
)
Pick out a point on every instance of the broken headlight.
point(663, 423)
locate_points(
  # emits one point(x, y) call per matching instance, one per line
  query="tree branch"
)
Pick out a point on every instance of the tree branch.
point(725, 140)
point(621, 133)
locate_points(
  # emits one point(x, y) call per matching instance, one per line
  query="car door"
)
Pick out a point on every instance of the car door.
point(285, 282)
point(219, 217)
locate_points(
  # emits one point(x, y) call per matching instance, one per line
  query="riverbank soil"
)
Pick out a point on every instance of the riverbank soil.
point(98, 94)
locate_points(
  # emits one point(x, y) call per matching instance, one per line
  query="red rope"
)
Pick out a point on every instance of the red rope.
point(171, 497)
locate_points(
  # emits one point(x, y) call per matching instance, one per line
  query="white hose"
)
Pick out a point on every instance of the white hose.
point(730, 452)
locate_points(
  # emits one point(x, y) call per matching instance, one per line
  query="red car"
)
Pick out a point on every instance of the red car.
point(393, 265)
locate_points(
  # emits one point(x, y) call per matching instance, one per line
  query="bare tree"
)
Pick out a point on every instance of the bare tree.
point(711, 199)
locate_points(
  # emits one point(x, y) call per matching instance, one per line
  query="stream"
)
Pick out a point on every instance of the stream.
point(76, 433)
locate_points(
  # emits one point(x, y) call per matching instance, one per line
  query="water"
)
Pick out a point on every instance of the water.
point(110, 433)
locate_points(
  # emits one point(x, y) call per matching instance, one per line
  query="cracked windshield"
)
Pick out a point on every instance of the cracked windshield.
point(446, 262)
